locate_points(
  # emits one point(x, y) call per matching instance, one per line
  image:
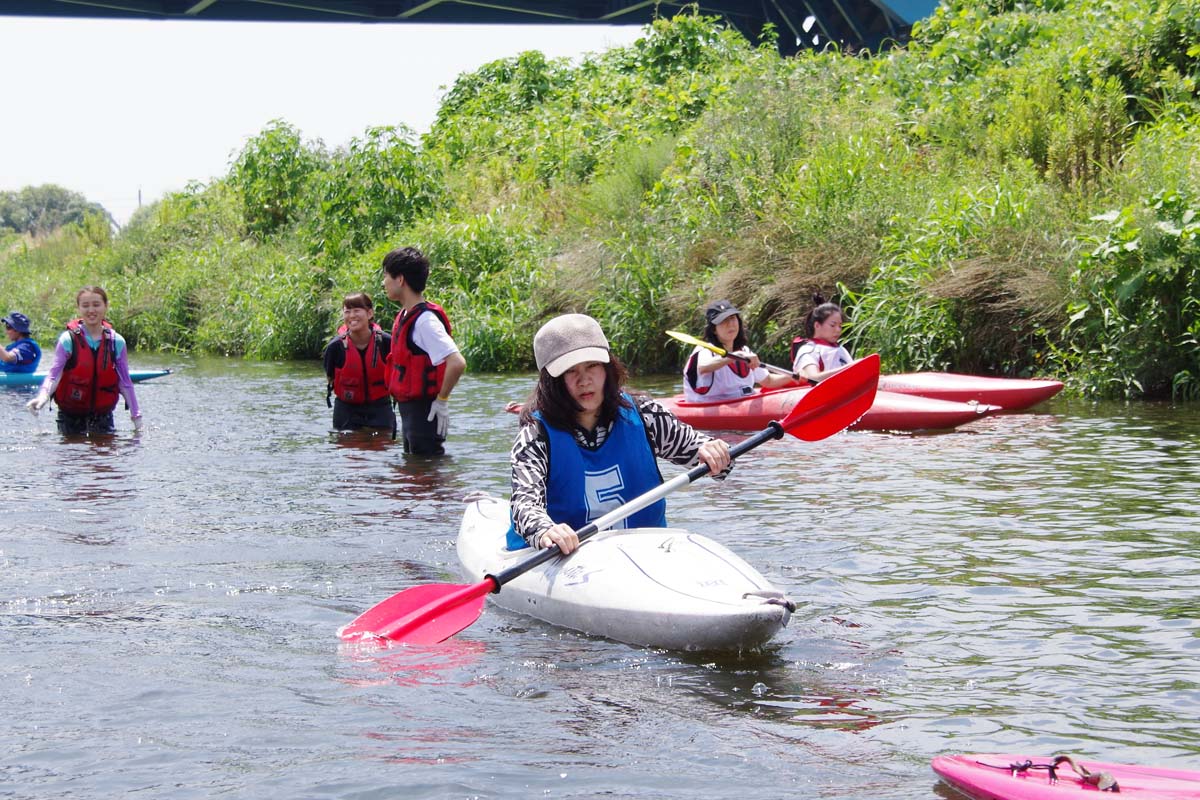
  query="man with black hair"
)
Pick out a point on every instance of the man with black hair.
point(425, 363)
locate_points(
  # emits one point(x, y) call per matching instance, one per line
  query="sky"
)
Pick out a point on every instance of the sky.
point(118, 111)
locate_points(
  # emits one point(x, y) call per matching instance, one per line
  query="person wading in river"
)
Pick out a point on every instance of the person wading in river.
point(425, 363)
point(356, 369)
point(90, 372)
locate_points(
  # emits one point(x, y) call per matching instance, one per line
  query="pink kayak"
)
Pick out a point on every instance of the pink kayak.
point(1011, 394)
point(889, 412)
point(1012, 777)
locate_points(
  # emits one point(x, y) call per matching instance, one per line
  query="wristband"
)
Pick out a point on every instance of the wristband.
point(445, 399)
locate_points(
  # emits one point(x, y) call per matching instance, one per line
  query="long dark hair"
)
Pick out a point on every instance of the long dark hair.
point(739, 341)
point(821, 311)
point(558, 408)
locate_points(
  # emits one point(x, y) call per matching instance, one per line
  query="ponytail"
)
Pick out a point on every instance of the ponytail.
point(821, 311)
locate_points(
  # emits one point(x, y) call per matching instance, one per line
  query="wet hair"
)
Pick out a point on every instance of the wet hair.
point(558, 408)
point(739, 341)
point(91, 290)
point(821, 311)
point(408, 263)
point(358, 300)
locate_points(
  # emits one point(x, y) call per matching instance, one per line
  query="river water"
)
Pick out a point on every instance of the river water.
point(169, 601)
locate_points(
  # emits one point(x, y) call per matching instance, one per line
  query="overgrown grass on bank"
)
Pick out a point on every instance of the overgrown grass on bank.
point(1013, 193)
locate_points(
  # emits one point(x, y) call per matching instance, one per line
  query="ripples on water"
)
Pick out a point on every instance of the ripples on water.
point(168, 605)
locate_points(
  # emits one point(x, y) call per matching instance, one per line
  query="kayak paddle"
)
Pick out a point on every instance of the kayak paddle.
point(434, 612)
point(692, 340)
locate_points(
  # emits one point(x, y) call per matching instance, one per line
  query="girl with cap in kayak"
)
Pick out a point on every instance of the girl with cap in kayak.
point(90, 371)
point(708, 376)
point(356, 368)
point(22, 354)
point(816, 355)
point(586, 446)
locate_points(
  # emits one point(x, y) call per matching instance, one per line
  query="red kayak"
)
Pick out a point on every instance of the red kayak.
point(889, 412)
point(1011, 777)
point(1011, 394)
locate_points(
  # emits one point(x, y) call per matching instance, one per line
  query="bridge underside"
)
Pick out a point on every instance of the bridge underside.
point(853, 24)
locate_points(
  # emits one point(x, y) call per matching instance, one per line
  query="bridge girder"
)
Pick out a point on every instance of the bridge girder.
point(853, 24)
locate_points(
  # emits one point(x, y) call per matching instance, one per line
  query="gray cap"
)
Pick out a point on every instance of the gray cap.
point(568, 340)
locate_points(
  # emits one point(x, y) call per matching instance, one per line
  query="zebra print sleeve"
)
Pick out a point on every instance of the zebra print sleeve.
point(530, 472)
point(671, 439)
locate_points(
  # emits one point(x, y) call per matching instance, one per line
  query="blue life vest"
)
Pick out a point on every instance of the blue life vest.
point(587, 484)
point(25, 348)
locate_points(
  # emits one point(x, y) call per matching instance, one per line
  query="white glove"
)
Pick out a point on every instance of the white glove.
point(35, 405)
point(139, 422)
point(439, 410)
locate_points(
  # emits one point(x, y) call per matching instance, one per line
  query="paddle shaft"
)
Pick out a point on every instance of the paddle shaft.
point(692, 340)
point(773, 431)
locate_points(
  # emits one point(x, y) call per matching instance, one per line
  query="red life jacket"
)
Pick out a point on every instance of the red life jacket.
point(89, 380)
point(800, 340)
point(413, 375)
point(362, 378)
point(691, 372)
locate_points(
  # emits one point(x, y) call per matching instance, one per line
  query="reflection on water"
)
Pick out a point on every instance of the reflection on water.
point(168, 604)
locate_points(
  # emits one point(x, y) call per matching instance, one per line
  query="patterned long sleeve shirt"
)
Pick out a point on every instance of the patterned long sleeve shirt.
point(670, 439)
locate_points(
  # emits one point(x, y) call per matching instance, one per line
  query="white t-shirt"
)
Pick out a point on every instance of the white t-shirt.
point(822, 355)
point(721, 384)
point(430, 335)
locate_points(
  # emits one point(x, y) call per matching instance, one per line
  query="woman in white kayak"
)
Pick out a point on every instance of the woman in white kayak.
point(708, 376)
point(586, 446)
point(816, 355)
point(90, 373)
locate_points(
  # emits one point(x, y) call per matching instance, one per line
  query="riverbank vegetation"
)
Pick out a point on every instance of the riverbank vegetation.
point(1013, 192)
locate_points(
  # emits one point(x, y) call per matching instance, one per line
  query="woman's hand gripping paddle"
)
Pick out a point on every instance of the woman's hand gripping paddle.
point(434, 612)
point(692, 340)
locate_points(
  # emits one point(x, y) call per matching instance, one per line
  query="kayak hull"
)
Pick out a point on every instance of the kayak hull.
point(36, 378)
point(655, 587)
point(986, 776)
point(889, 412)
point(1011, 394)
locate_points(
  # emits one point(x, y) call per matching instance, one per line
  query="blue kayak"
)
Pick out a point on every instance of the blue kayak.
point(35, 378)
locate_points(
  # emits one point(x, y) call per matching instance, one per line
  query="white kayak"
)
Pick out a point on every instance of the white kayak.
point(657, 587)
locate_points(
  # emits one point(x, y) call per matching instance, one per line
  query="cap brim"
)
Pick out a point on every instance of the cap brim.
point(724, 315)
point(567, 360)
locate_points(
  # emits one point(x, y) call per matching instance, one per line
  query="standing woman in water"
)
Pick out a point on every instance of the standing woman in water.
point(90, 371)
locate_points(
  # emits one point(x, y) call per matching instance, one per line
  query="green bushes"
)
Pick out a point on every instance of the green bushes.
point(1012, 193)
point(1134, 327)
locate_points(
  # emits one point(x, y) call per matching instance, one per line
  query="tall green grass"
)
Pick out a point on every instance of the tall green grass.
point(1012, 193)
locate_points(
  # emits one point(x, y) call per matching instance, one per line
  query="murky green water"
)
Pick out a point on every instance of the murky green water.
point(168, 606)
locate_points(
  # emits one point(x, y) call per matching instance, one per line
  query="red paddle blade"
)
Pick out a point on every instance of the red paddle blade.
point(835, 403)
point(421, 615)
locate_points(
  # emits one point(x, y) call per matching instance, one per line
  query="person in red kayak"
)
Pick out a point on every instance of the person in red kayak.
point(816, 355)
point(708, 376)
point(356, 369)
point(586, 446)
point(90, 373)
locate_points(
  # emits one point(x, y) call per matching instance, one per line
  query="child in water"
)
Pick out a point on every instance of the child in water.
point(90, 372)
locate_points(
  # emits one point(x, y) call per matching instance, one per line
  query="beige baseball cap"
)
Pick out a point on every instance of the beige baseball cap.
point(568, 340)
